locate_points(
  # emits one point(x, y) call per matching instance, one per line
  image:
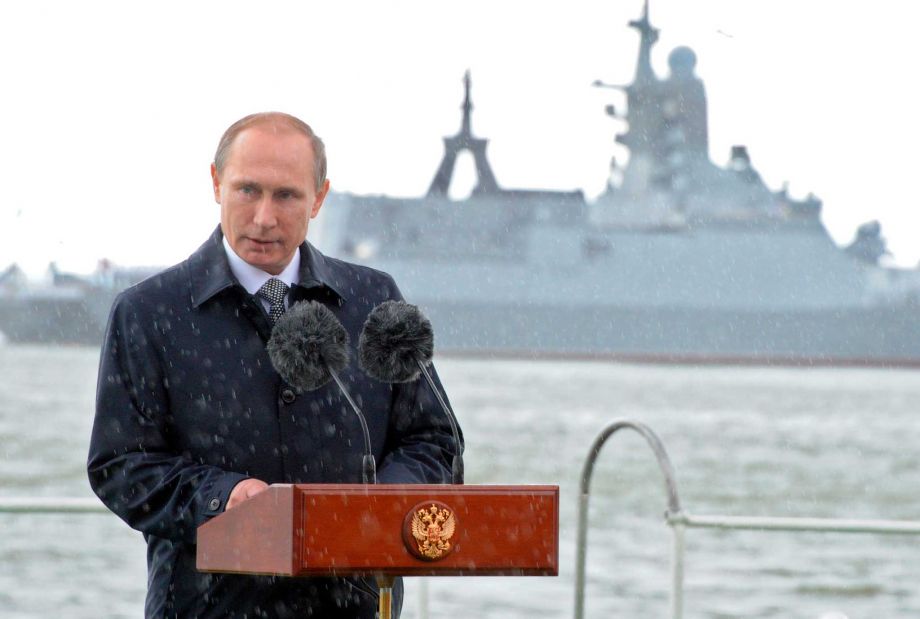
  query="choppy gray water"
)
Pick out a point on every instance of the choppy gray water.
point(743, 441)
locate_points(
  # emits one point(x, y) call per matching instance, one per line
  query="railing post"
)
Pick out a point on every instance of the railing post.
point(581, 551)
point(677, 572)
point(423, 598)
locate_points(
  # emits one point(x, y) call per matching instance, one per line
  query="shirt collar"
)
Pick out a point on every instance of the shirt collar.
point(210, 273)
point(253, 278)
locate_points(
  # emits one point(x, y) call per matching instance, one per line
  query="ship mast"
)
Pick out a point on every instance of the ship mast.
point(643, 113)
point(466, 128)
point(648, 37)
point(464, 141)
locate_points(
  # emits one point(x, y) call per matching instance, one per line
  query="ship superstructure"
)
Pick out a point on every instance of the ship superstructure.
point(678, 259)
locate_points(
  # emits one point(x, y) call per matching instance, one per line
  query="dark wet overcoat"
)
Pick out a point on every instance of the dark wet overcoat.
point(188, 404)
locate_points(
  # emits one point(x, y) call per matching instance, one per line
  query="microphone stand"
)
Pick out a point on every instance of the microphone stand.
point(369, 474)
point(456, 467)
point(368, 465)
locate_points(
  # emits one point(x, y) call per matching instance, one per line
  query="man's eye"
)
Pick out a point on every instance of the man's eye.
point(285, 195)
point(247, 190)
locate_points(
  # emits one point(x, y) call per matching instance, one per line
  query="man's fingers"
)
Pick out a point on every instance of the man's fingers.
point(255, 488)
point(244, 491)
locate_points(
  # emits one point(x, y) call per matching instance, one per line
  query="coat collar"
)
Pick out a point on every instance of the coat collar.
point(209, 271)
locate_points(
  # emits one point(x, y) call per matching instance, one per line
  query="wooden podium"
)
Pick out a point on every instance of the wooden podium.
point(387, 531)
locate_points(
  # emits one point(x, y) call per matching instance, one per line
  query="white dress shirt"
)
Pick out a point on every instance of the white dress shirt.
point(253, 278)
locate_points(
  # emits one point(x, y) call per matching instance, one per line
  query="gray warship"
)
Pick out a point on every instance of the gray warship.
point(679, 260)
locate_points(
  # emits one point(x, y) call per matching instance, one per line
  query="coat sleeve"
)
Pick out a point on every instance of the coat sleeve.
point(131, 464)
point(420, 444)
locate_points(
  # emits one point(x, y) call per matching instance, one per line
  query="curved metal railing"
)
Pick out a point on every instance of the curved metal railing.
point(679, 520)
point(584, 495)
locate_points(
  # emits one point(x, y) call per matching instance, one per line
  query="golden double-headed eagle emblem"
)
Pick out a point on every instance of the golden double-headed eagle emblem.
point(432, 527)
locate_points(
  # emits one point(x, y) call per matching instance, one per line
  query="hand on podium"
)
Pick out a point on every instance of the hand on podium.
point(245, 490)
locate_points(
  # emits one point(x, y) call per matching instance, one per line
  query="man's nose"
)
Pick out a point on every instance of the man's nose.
point(265, 216)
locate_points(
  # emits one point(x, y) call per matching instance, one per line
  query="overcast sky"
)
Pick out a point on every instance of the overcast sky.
point(112, 110)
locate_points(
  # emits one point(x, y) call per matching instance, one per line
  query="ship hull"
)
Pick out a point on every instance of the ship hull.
point(880, 336)
point(78, 321)
point(884, 336)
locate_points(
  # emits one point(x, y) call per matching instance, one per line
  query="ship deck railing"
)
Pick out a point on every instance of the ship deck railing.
point(680, 520)
point(675, 517)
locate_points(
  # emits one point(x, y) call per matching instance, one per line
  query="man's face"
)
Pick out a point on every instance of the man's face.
point(267, 195)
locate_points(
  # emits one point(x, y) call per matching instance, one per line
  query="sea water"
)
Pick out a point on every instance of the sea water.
point(833, 443)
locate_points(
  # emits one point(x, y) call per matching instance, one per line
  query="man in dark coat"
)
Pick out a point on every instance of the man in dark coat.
point(191, 417)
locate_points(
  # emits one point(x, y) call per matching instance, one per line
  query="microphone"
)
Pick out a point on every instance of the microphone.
point(308, 347)
point(395, 346)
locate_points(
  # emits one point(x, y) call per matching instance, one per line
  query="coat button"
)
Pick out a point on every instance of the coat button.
point(213, 504)
point(287, 396)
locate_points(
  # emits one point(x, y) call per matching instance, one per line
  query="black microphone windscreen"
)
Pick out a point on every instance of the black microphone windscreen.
point(305, 343)
point(395, 337)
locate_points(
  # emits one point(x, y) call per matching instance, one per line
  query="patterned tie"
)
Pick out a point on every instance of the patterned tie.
point(274, 291)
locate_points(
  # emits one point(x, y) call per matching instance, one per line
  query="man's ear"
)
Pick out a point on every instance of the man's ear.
point(216, 180)
point(320, 196)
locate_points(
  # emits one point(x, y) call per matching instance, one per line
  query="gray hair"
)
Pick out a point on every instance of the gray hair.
point(292, 122)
